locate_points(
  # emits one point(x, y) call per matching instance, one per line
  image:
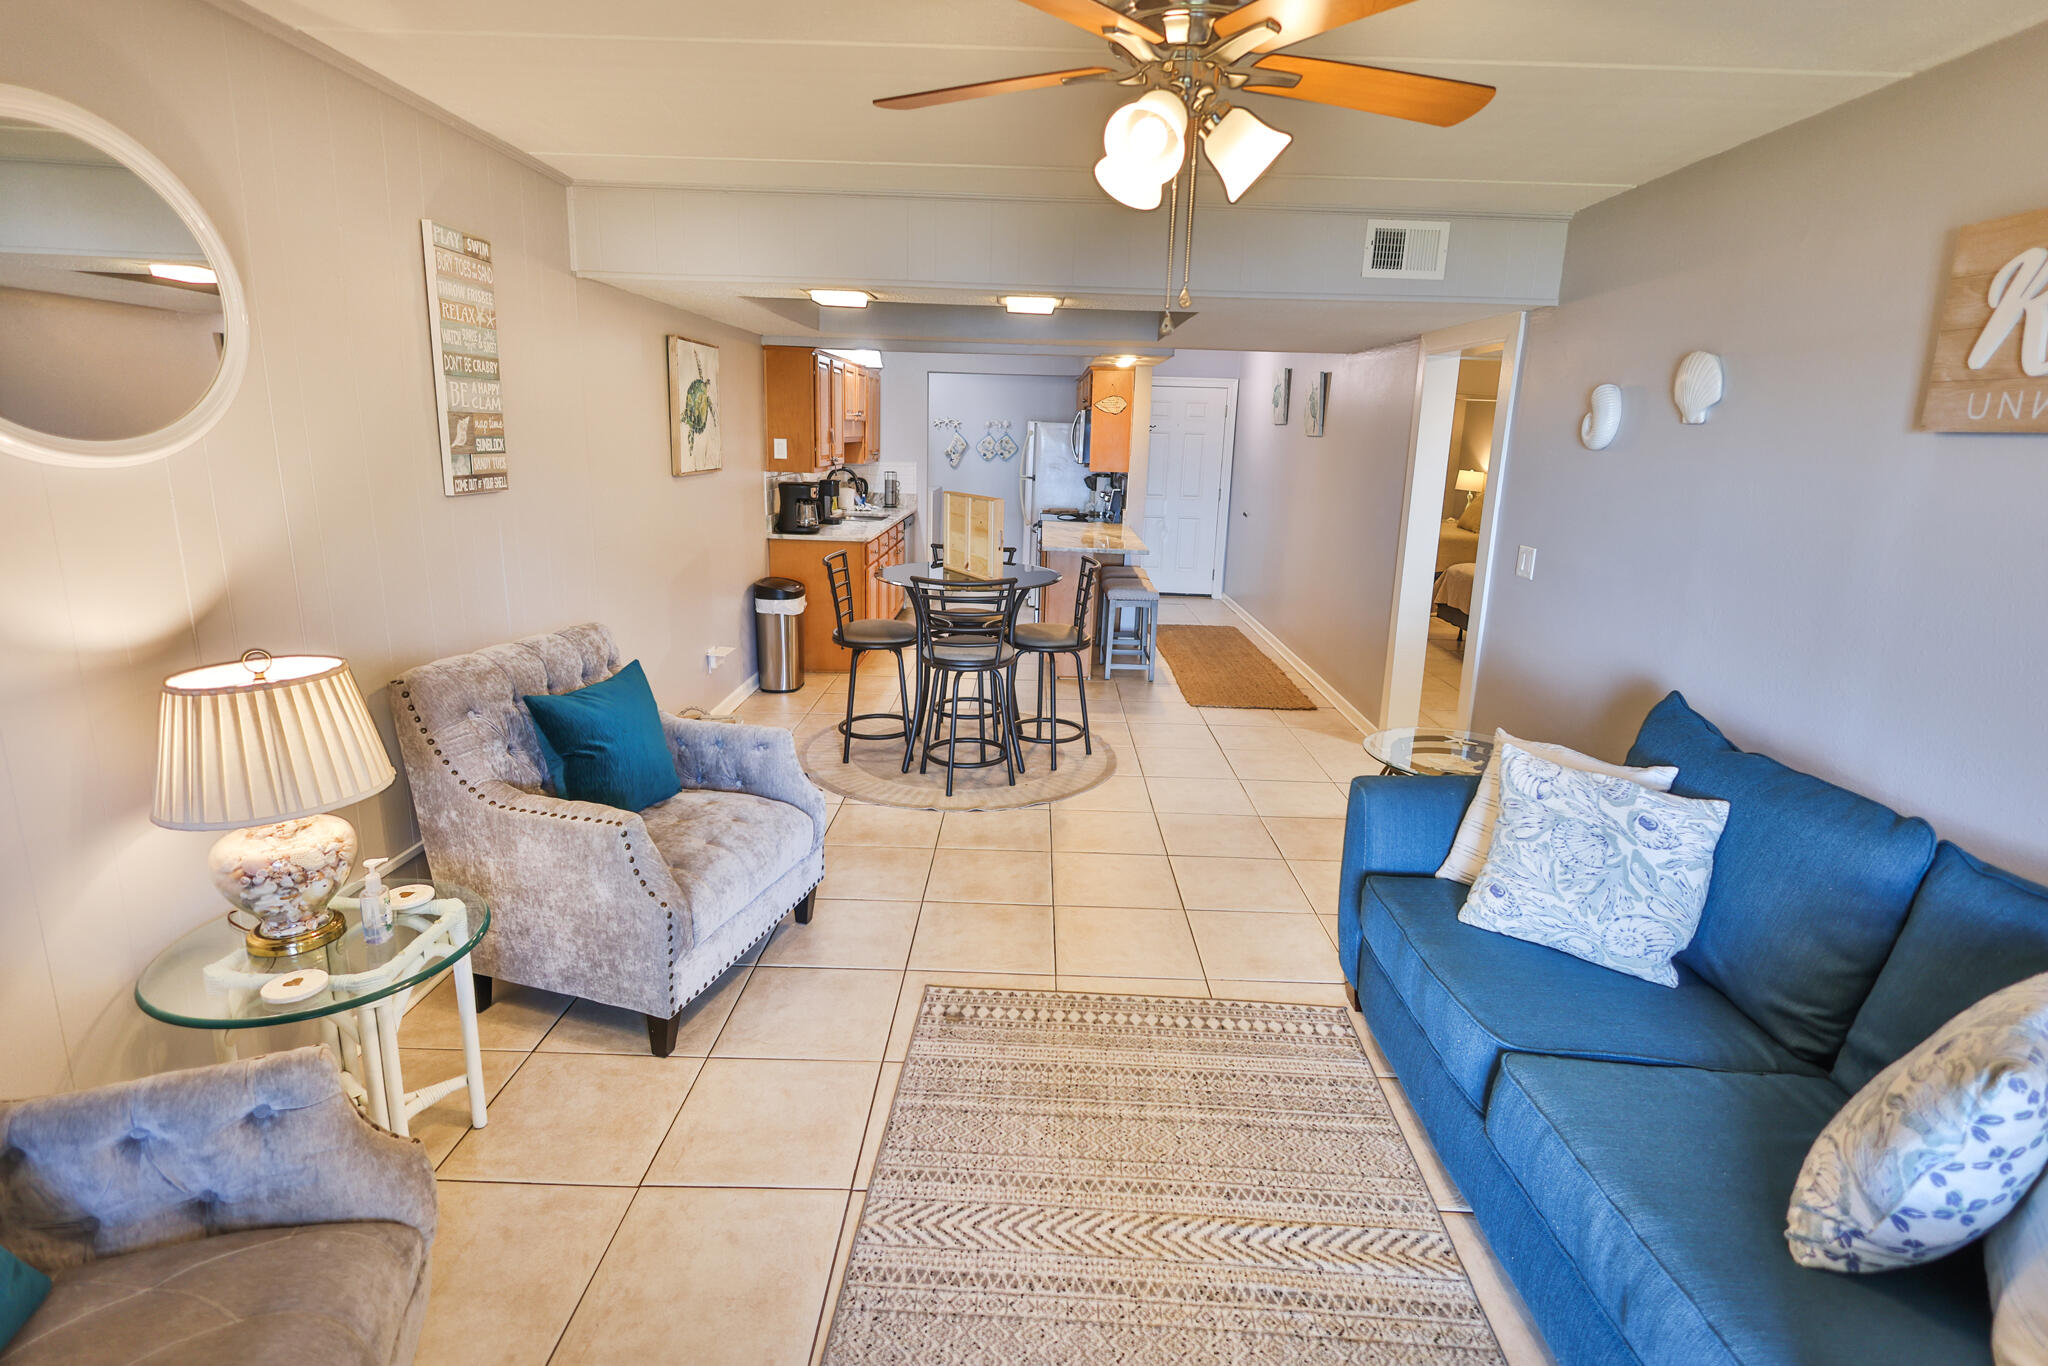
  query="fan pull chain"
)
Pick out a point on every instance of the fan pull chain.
point(1172, 232)
point(1187, 251)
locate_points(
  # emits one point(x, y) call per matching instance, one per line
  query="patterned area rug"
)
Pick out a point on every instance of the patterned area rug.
point(1218, 666)
point(1072, 1179)
point(876, 775)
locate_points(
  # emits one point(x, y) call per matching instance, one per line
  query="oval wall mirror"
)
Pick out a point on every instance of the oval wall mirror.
point(124, 332)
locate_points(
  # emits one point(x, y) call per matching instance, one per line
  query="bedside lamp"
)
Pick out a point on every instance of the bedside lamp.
point(1470, 482)
point(263, 748)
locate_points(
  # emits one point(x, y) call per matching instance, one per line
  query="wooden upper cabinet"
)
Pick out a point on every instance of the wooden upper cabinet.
point(1109, 393)
point(825, 409)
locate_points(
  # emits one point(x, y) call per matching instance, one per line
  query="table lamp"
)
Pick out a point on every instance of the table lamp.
point(1471, 482)
point(263, 748)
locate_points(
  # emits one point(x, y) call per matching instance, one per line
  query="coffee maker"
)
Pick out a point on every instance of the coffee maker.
point(1108, 488)
point(796, 512)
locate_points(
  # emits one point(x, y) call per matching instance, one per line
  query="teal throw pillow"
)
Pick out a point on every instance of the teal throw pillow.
point(22, 1288)
point(609, 738)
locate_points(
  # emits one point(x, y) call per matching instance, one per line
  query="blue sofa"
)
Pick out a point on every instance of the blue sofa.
point(1629, 1149)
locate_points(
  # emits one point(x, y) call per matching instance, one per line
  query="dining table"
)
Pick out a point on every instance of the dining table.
point(1028, 576)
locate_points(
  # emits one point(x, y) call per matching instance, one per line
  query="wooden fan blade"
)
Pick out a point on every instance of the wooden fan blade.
point(924, 99)
point(1375, 90)
point(1298, 19)
point(1095, 17)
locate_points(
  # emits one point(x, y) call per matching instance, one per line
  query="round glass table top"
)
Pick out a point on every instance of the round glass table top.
point(1419, 750)
point(1028, 576)
point(174, 988)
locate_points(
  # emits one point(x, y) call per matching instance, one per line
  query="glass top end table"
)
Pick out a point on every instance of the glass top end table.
point(1430, 751)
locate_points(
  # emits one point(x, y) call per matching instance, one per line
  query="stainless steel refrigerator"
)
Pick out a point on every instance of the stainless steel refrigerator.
point(1051, 477)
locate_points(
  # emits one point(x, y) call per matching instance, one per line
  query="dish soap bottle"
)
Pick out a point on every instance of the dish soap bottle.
point(376, 912)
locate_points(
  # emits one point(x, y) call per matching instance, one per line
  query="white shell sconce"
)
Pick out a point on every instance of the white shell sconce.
point(1699, 385)
point(1597, 429)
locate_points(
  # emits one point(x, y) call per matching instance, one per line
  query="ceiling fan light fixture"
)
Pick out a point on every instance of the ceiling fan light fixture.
point(1133, 191)
point(1148, 135)
point(1040, 304)
point(840, 298)
point(1241, 146)
point(1174, 24)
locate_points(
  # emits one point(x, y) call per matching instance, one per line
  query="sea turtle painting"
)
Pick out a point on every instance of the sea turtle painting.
point(693, 383)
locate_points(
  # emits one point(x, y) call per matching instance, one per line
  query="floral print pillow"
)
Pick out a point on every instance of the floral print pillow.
point(1598, 867)
point(1936, 1149)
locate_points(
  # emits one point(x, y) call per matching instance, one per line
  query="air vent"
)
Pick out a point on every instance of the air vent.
point(1406, 251)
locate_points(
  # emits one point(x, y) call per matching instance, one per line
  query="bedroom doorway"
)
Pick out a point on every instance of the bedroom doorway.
point(1457, 465)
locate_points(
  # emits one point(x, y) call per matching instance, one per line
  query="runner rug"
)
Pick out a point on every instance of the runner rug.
point(1070, 1179)
point(1218, 666)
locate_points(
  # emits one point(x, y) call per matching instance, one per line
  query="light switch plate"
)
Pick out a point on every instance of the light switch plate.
point(1525, 562)
point(782, 448)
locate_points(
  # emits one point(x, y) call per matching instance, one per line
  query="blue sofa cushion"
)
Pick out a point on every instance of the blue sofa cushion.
point(1667, 1188)
point(1973, 930)
point(1479, 995)
point(1811, 883)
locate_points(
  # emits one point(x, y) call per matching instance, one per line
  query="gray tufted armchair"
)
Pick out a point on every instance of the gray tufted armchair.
point(637, 909)
point(237, 1213)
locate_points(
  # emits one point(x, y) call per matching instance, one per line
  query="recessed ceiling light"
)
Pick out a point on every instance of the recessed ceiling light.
point(184, 275)
point(1126, 362)
point(840, 298)
point(1030, 303)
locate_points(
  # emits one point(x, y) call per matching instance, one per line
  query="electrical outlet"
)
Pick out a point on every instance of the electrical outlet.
point(1525, 562)
point(715, 656)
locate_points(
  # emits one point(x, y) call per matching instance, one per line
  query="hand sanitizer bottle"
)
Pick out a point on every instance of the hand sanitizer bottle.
point(376, 913)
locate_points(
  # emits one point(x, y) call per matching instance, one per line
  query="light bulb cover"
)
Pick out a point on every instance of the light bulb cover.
point(1241, 146)
point(1137, 191)
point(840, 298)
point(1148, 135)
point(1039, 304)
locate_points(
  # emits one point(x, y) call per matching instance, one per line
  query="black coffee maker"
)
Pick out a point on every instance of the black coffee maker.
point(796, 514)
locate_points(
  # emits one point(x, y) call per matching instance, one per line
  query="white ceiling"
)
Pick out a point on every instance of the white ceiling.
point(1595, 95)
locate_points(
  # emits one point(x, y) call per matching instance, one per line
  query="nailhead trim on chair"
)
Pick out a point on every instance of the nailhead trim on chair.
point(745, 949)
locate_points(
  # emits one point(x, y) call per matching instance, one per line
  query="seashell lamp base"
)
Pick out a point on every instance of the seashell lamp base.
point(283, 875)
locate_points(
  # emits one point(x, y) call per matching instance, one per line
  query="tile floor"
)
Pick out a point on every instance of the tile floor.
point(1442, 675)
point(621, 1207)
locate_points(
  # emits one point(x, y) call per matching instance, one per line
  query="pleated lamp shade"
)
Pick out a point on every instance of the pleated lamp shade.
point(264, 740)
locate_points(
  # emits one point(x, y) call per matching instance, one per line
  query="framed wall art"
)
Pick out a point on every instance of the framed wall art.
point(462, 308)
point(1283, 388)
point(1318, 405)
point(696, 435)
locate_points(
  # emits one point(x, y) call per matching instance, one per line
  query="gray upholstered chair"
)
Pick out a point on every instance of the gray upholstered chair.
point(237, 1213)
point(637, 909)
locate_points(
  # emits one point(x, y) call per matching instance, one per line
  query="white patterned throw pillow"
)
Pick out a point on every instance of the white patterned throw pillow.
point(1598, 867)
point(1936, 1149)
point(2016, 1261)
point(1475, 831)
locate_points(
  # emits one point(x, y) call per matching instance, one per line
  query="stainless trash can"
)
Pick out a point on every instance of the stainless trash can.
point(778, 643)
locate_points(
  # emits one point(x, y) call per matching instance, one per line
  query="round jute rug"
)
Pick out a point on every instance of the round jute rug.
point(876, 775)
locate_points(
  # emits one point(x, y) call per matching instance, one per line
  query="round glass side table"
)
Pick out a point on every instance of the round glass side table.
point(1426, 750)
point(207, 980)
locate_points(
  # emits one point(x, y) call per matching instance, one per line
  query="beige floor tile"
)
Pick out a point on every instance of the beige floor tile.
point(1199, 796)
point(1124, 792)
point(983, 937)
point(856, 1201)
point(701, 1274)
point(1441, 1187)
point(769, 1122)
point(856, 873)
point(1028, 828)
point(503, 1295)
point(1137, 986)
point(1221, 836)
point(1239, 718)
point(1172, 735)
point(912, 996)
point(1521, 1341)
point(1342, 770)
point(518, 1019)
point(895, 826)
point(586, 1119)
point(846, 934)
point(1160, 710)
point(1274, 739)
point(1253, 946)
point(1106, 832)
point(1319, 881)
point(1008, 875)
point(1294, 993)
point(825, 1014)
point(441, 1125)
point(1323, 719)
point(1124, 941)
point(1276, 766)
point(1295, 799)
point(587, 1027)
point(1113, 880)
point(1237, 884)
point(877, 1122)
point(1308, 838)
point(1184, 763)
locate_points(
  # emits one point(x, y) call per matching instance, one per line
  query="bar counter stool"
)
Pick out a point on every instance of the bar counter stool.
point(861, 635)
point(1049, 640)
point(964, 629)
point(1129, 647)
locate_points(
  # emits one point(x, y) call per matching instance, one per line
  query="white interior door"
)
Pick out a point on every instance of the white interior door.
point(1187, 482)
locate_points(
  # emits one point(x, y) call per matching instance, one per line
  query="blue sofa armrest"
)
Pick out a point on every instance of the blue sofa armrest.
point(1394, 826)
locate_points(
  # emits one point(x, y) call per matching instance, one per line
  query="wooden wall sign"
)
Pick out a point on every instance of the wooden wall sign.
point(1990, 366)
point(462, 313)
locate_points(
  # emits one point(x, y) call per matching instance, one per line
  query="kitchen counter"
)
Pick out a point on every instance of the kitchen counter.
point(1110, 537)
point(859, 530)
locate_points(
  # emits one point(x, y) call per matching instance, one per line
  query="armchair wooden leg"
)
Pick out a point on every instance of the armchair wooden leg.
point(483, 992)
point(661, 1034)
point(806, 906)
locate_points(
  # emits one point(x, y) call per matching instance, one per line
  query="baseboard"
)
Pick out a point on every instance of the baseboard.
point(728, 704)
point(1343, 705)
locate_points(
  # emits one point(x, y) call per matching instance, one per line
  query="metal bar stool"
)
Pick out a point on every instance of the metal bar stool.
point(861, 635)
point(1049, 640)
point(963, 630)
point(1129, 647)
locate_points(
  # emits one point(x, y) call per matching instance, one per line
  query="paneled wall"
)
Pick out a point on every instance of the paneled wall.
point(312, 518)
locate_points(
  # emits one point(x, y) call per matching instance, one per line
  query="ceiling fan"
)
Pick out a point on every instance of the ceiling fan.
point(1190, 57)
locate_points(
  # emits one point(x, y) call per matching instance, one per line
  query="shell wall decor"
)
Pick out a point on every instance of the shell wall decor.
point(1602, 421)
point(1698, 386)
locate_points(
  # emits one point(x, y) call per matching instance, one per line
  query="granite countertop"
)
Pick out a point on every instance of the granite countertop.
point(859, 530)
point(1106, 536)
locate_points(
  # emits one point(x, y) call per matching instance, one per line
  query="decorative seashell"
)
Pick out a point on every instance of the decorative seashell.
point(1698, 386)
point(1597, 429)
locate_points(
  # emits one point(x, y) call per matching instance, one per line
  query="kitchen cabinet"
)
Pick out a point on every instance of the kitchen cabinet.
point(814, 403)
point(804, 560)
point(1108, 394)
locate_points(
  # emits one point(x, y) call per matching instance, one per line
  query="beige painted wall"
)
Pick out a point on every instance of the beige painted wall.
point(98, 370)
point(1315, 521)
point(312, 517)
point(1830, 585)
